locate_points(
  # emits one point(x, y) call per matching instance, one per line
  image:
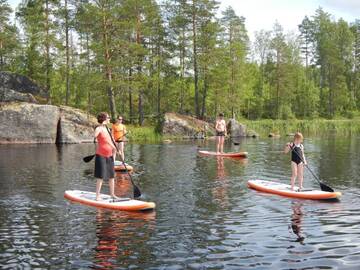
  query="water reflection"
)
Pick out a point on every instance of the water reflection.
point(221, 174)
point(117, 233)
point(296, 221)
point(123, 186)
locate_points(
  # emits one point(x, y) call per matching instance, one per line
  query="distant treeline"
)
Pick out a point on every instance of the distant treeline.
point(146, 57)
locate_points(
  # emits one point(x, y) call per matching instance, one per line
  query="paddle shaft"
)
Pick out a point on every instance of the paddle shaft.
point(136, 189)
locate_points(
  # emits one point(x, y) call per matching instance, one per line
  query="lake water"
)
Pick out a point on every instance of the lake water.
point(206, 217)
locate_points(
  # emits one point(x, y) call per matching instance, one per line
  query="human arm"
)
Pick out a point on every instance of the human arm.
point(287, 148)
point(225, 128)
point(216, 125)
point(303, 155)
point(97, 132)
point(125, 132)
point(113, 131)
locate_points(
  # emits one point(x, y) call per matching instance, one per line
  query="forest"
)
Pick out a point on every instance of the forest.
point(142, 58)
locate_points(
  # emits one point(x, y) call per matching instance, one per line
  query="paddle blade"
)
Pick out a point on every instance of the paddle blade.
point(137, 192)
point(88, 158)
point(324, 187)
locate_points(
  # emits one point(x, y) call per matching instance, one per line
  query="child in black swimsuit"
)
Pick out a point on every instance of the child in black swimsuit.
point(297, 159)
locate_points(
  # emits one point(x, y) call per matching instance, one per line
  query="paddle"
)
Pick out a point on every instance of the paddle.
point(137, 192)
point(323, 186)
point(88, 158)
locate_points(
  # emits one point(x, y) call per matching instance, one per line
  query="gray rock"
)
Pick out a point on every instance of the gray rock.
point(8, 95)
point(34, 123)
point(273, 135)
point(186, 126)
point(20, 83)
point(75, 126)
point(28, 123)
point(252, 134)
point(235, 129)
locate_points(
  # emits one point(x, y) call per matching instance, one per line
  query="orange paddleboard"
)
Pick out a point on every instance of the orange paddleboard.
point(124, 204)
point(119, 166)
point(229, 154)
point(285, 190)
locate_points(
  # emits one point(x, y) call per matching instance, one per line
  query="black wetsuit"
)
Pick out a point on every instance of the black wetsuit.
point(296, 153)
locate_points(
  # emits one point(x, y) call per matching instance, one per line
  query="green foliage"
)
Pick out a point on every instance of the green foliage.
point(142, 58)
point(146, 134)
point(8, 38)
point(318, 127)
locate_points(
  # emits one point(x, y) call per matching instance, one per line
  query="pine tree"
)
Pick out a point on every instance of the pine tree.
point(8, 37)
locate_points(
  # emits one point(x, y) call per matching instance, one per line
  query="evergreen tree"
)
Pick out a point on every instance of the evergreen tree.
point(8, 37)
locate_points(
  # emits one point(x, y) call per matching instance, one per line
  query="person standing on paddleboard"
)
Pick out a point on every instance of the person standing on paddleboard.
point(104, 159)
point(220, 127)
point(118, 131)
point(297, 159)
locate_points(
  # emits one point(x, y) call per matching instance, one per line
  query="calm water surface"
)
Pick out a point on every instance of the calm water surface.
point(206, 217)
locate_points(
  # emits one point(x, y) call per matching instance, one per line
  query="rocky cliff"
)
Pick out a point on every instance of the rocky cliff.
point(34, 123)
point(23, 120)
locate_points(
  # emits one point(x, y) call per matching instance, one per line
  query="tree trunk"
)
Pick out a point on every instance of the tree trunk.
point(203, 109)
point(197, 110)
point(158, 81)
point(139, 69)
point(108, 68)
point(182, 72)
point(232, 83)
point(67, 73)
point(278, 83)
point(47, 52)
point(1, 56)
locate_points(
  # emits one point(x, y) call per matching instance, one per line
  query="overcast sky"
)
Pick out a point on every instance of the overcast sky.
point(262, 14)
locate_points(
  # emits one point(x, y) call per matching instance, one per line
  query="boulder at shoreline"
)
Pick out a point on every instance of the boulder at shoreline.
point(186, 126)
point(34, 123)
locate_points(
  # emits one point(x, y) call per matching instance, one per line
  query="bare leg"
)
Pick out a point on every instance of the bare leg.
point(121, 150)
point(293, 174)
point(218, 144)
point(300, 169)
point(98, 188)
point(112, 188)
point(222, 138)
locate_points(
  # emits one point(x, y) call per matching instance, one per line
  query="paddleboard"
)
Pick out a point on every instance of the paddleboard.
point(119, 166)
point(124, 204)
point(229, 154)
point(285, 190)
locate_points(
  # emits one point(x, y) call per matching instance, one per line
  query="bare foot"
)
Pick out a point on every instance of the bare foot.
point(98, 198)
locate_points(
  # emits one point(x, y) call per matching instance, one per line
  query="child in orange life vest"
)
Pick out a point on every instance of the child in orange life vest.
point(297, 159)
point(118, 133)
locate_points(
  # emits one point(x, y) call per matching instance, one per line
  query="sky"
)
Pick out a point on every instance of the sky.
point(262, 14)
